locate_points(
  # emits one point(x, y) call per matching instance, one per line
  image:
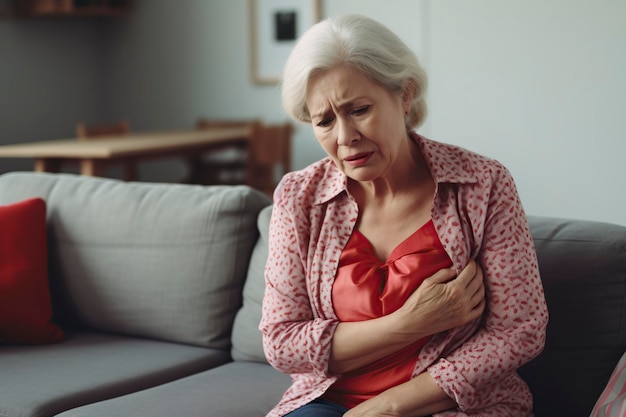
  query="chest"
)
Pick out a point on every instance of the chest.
point(333, 224)
point(365, 287)
point(387, 228)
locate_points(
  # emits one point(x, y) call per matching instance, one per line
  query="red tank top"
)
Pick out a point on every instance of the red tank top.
point(367, 288)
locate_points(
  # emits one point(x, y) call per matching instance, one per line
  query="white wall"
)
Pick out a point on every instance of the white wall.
point(539, 85)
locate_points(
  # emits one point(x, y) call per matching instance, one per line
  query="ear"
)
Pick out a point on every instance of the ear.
point(408, 94)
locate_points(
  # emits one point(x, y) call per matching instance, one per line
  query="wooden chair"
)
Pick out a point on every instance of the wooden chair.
point(258, 161)
point(89, 132)
point(270, 156)
point(227, 164)
point(95, 132)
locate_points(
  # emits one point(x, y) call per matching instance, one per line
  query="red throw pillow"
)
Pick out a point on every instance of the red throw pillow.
point(25, 307)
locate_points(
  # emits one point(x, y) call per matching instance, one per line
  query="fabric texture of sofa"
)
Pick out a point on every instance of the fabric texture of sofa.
point(158, 290)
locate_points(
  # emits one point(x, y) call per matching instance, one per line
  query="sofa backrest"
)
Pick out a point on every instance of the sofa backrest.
point(583, 270)
point(246, 338)
point(164, 261)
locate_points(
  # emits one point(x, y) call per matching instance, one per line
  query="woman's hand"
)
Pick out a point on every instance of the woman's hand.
point(440, 303)
point(443, 302)
point(370, 408)
point(417, 397)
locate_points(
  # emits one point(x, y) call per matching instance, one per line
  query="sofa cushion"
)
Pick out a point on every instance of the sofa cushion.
point(242, 389)
point(247, 339)
point(583, 270)
point(164, 261)
point(25, 309)
point(41, 381)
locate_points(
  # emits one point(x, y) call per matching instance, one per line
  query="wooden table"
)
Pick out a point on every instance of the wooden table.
point(94, 155)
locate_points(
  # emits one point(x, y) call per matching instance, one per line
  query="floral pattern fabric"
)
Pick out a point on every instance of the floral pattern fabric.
point(477, 214)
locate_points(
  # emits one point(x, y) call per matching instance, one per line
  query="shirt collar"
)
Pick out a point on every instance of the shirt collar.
point(333, 183)
point(447, 164)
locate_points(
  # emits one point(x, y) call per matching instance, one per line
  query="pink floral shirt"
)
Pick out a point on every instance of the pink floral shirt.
point(477, 214)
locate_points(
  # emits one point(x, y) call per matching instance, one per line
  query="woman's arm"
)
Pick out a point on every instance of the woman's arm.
point(415, 398)
point(440, 303)
point(513, 328)
point(295, 341)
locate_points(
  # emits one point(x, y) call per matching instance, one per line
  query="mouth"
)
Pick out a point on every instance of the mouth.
point(358, 159)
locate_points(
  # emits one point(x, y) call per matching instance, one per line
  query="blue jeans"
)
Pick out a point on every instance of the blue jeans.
point(319, 408)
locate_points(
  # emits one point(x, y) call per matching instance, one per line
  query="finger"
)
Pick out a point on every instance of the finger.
point(480, 308)
point(468, 273)
point(476, 290)
point(478, 296)
point(477, 286)
point(476, 312)
point(442, 276)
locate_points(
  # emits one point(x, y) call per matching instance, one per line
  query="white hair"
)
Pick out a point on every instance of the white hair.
point(360, 43)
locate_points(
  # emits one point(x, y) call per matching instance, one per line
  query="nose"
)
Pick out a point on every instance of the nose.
point(347, 134)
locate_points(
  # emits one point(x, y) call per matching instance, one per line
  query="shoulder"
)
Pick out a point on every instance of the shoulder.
point(455, 164)
point(315, 184)
point(300, 203)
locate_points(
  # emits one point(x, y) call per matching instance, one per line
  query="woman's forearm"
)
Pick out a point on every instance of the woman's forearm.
point(440, 303)
point(356, 344)
point(415, 398)
point(418, 397)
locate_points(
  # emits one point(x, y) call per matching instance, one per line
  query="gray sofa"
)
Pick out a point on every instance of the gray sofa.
point(158, 289)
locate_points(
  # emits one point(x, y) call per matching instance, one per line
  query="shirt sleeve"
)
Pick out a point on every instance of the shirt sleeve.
point(294, 340)
point(513, 328)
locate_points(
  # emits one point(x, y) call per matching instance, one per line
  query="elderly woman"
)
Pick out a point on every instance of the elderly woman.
point(402, 278)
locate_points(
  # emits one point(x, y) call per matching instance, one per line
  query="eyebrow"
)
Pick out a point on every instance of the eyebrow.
point(319, 114)
point(348, 103)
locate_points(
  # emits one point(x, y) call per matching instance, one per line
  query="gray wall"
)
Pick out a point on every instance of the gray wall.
point(50, 76)
point(535, 84)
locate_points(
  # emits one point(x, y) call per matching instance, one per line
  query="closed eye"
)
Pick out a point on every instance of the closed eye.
point(360, 110)
point(325, 122)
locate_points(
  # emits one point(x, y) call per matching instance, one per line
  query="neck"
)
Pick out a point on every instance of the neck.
point(408, 175)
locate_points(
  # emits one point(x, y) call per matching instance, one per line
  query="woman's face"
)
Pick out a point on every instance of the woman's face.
point(359, 123)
